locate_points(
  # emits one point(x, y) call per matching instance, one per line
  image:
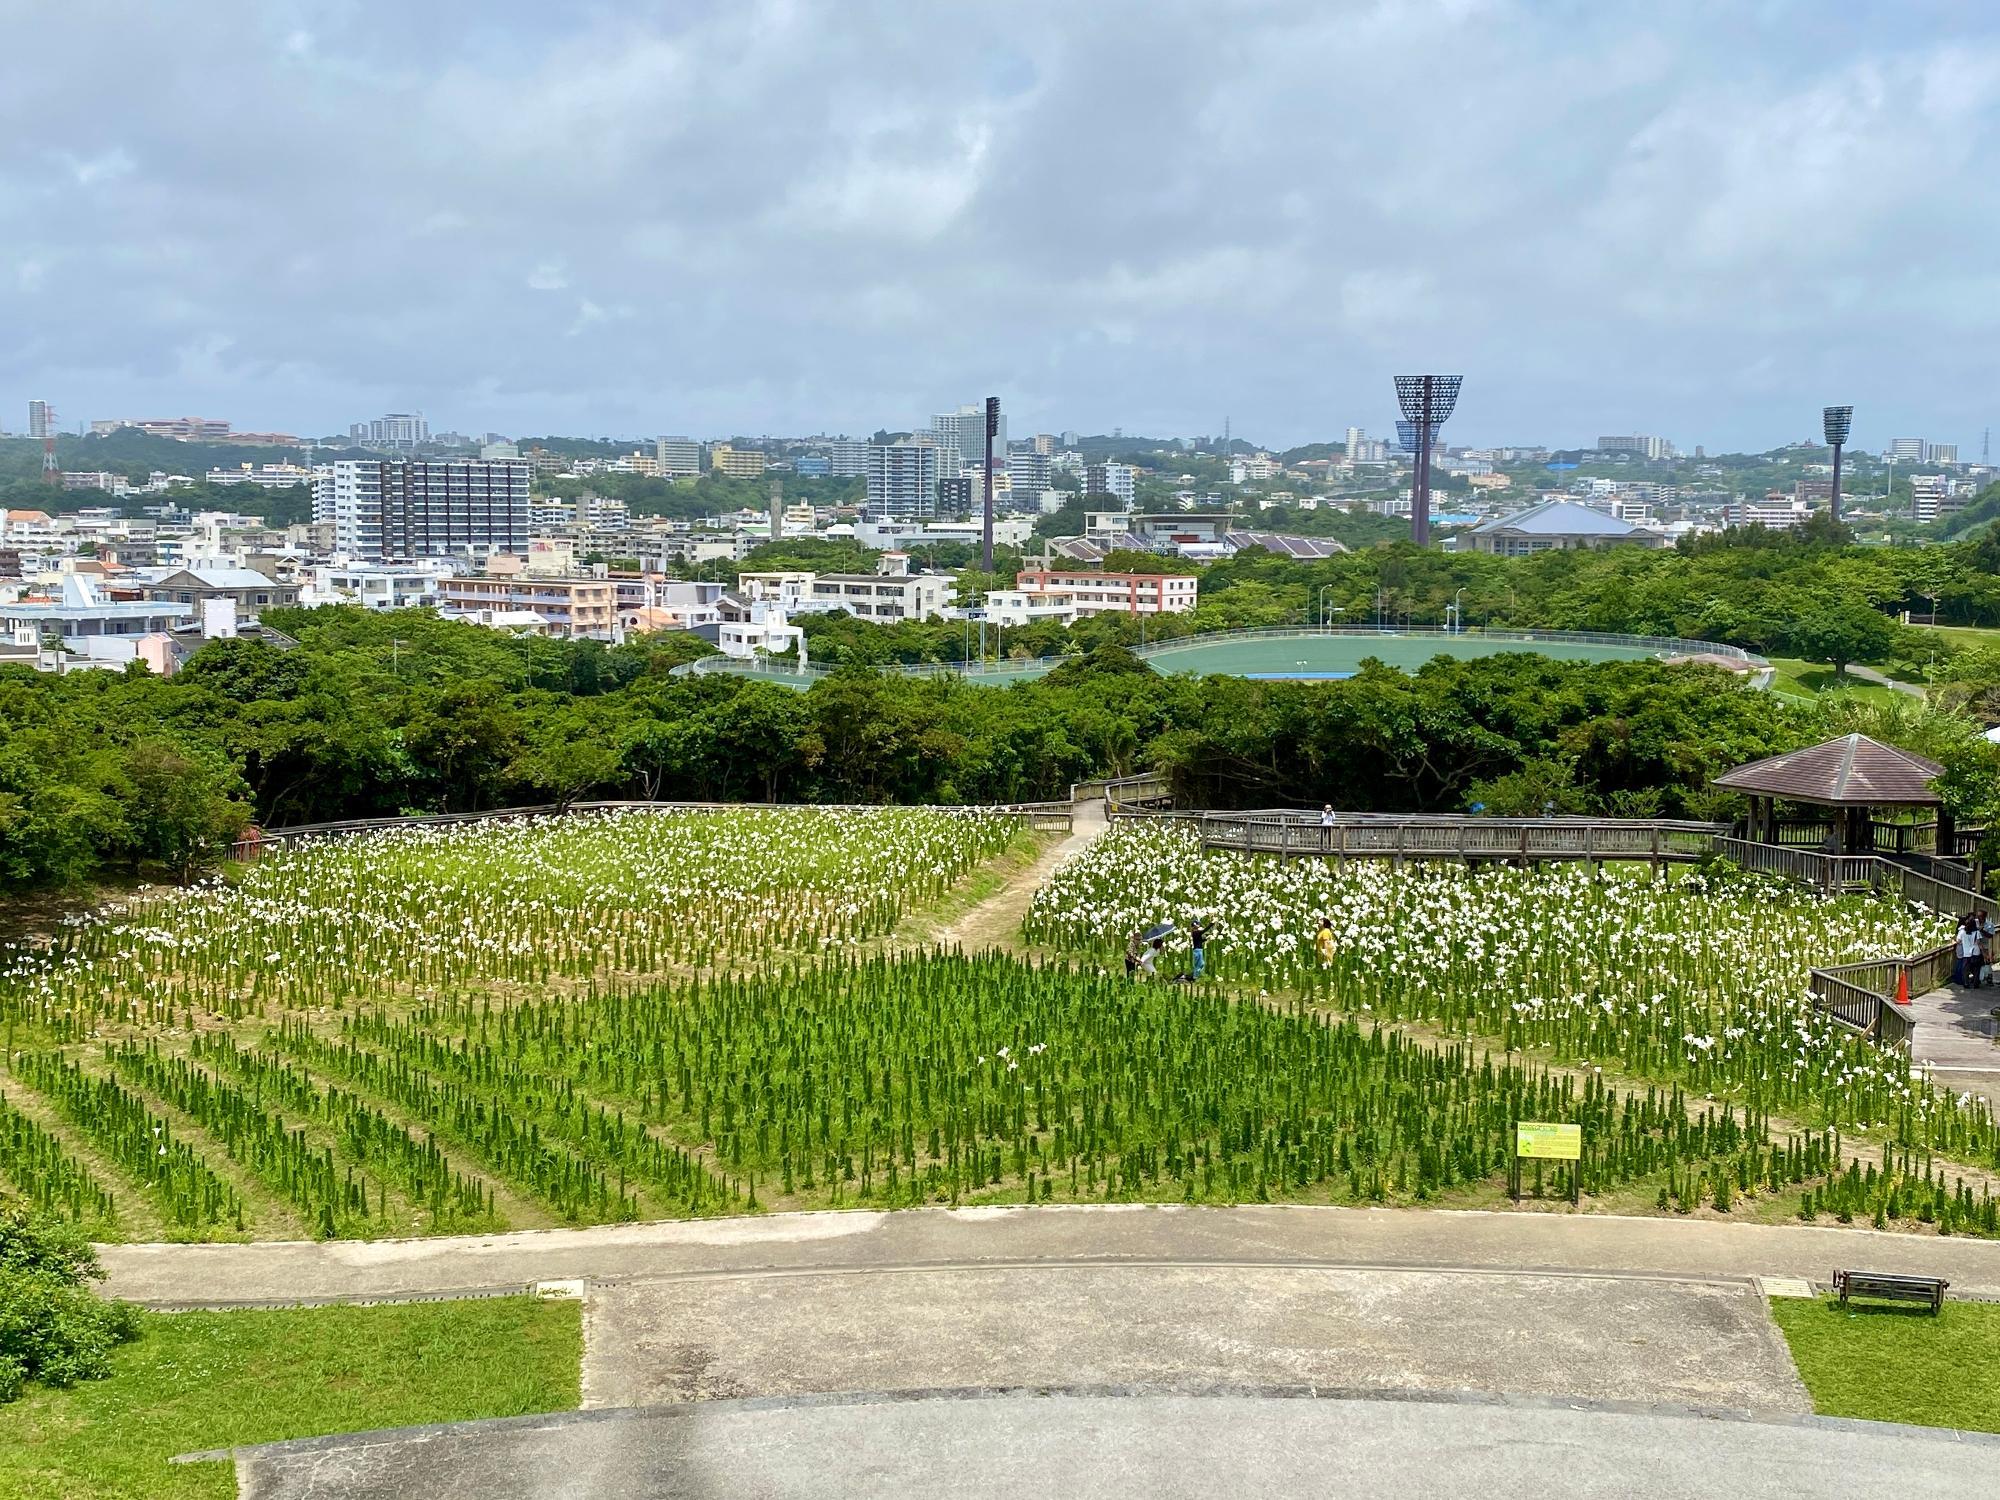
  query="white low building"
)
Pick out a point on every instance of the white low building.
point(886, 597)
point(372, 587)
point(1097, 593)
point(1012, 607)
point(766, 632)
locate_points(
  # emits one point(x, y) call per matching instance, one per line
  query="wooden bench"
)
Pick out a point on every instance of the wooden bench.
point(1888, 1288)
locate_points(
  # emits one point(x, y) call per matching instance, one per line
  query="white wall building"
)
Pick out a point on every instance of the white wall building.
point(384, 509)
point(1012, 607)
point(1095, 593)
point(903, 479)
point(1120, 481)
point(372, 587)
point(885, 597)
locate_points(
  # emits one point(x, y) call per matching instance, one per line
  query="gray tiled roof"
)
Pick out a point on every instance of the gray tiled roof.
point(1556, 518)
point(1850, 771)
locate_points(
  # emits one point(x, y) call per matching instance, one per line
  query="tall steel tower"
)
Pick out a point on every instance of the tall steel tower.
point(1427, 402)
point(42, 424)
point(1837, 419)
point(992, 431)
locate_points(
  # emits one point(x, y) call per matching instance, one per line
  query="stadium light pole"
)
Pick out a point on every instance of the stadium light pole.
point(992, 430)
point(1837, 419)
point(1427, 402)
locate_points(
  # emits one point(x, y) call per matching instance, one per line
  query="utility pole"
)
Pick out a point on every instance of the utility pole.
point(992, 430)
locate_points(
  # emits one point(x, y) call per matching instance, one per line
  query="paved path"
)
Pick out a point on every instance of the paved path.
point(1056, 1234)
point(1955, 1037)
point(1883, 679)
point(1026, 1446)
point(1699, 1343)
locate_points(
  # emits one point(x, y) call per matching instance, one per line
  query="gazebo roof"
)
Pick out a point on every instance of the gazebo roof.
point(1852, 771)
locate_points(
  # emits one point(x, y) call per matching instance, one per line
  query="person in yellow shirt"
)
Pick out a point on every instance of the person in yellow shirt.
point(1323, 940)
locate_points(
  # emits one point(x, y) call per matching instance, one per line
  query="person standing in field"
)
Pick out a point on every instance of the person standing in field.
point(1149, 958)
point(1135, 949)
point(1198, 946)
point(1323, 942)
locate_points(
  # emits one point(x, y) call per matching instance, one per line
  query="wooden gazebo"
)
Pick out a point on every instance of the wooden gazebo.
point(1850, 777)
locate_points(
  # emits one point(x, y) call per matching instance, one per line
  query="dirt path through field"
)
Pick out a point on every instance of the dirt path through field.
point(996, 921)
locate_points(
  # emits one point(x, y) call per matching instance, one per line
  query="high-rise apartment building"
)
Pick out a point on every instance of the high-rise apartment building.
point(1907, 451)
point(903, 479)
point(1943, 453)
point(965, 430)
point(678, 457)
point(1120, 480)
point(1028, 474)
point(383, 510)
point(847, 458)
point(41, 419)
point(400, 430)
point(1637, 444)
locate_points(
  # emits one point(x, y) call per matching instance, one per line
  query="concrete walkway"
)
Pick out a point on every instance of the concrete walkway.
point(1883, 679)
point(861, 1243)
point(1955, 1040)
point(1098, 1444)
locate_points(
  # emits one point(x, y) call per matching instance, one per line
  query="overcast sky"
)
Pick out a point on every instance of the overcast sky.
point(1701, 218)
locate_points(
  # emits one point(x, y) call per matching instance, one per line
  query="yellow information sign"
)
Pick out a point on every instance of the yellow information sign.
point(1547, 1142)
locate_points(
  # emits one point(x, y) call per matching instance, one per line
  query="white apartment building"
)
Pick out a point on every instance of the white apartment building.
point(1094, 593)
point(766, 631)
point(965, 430)
point(1933, 497)
point(1012, 607)
point(1120, 481)
point(1028, 474)
point(372, 587)
point(399, 429)
point(846, 458)
point(273, 476)
point(884, 597)
point(390, 510)
point(1258, 466)
point(677, 457)
point(903, 479)
point(788, 590)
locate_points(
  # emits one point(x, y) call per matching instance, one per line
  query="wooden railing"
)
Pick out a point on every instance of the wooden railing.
point(1860, 996)
point(1447, 836)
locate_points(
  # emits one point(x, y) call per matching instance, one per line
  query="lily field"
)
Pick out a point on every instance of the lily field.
point(635, 1015)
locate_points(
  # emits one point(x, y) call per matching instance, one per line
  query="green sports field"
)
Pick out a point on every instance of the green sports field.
point(1311, 656)
point(1305, 656)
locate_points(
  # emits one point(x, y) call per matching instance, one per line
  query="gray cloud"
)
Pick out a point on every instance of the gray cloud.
point(1704, 219)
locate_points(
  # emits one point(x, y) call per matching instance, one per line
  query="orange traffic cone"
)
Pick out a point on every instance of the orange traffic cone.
point(1902, 986)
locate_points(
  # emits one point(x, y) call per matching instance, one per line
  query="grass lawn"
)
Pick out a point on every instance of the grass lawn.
point(1969, 636)
point(1804, 679)
point(214, 1380)
point(1895, 1363)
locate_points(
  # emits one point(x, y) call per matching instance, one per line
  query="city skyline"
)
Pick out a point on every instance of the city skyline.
point(757, 219)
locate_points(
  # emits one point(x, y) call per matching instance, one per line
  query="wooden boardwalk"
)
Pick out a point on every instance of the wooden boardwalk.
point(1956, 1037)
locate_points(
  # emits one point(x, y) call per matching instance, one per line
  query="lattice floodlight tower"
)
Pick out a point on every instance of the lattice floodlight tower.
point(1427, 402)
point(1838, 420)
